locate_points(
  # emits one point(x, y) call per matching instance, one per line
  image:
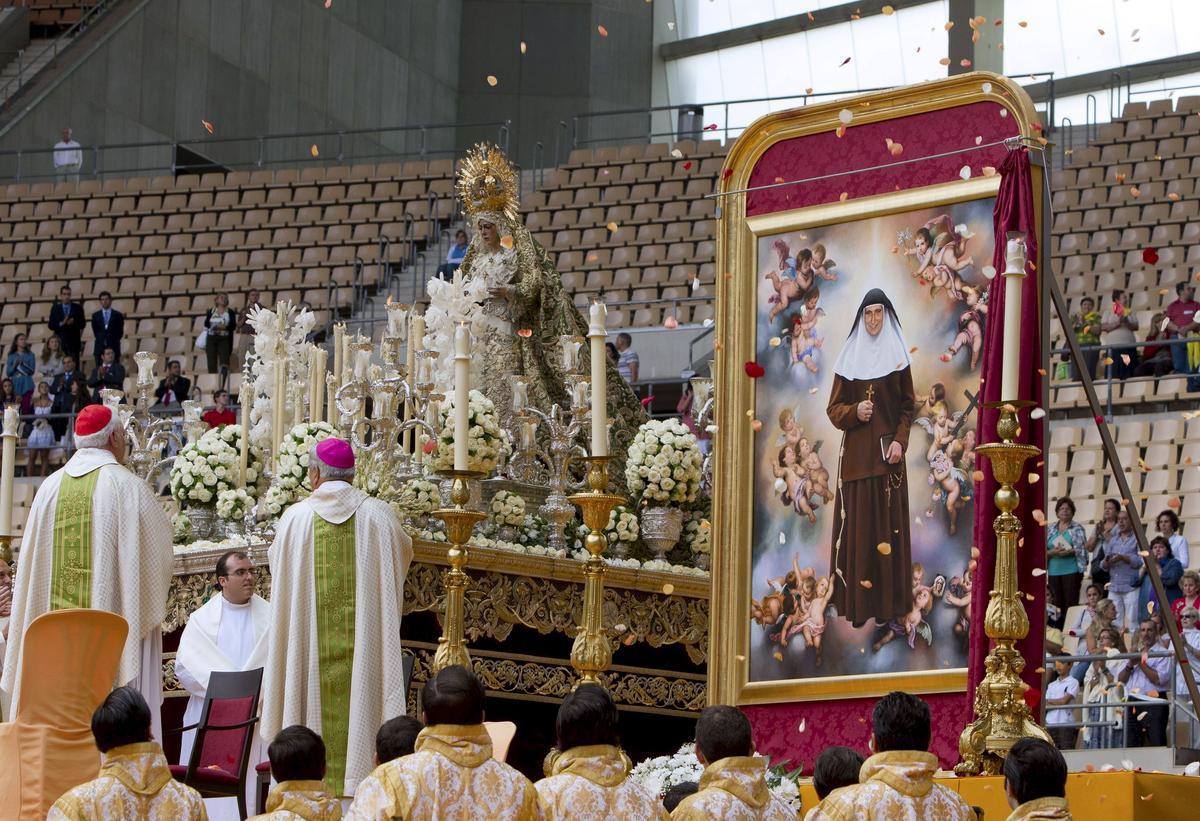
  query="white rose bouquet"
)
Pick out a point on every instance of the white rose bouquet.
point(485, 439)
point(664, 464)
point(290, 483)
point(419, 497)
point(622, 529)
point(697, 532)
point(657, 775)
point(507, 508)
point(209, 465)
point(181, 528)
point(232, 504)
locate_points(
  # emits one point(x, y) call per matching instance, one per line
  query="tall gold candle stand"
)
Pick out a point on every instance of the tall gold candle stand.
point(591, 654)
point(1001, 714)
point(460, 522)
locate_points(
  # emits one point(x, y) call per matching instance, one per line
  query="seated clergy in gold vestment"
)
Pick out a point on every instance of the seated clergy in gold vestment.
point(589, 777)
point(298, 766)
point(135, 780)
point(733, 786)
point(452, 773)
point(897, 781)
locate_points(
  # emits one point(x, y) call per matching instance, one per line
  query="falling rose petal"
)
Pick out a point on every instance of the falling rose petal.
point(525, 333)
point(754, 370)
point(1135, 192)
point(602, 31)
point(1029, 596)
point(975, 36)
point(207, 126)
point(707, 322)
point(964, 62)
point(887, 10)
point(1125, 358)
point(1037, 413)
point(491, 80)
point(1038, 571)
point(1149, 256)
point(676, 153)
point(1173, 197)
point(506, 242)
point(687, 166)
point(671, 323)
point(843, 196)
point(812, 391)
point(1101, 32)
point(913, 349)
point(974, 552)
point(670, 25)
point(840, 131)
point(523, 47)
point(965, 172)
point(780, 486)
point(945, 61)
point(780, 180)
point(896, 148)
point(977, 476)
point(987, 88)
point(1034, 478)
point(782, 538)
point(1149, 795)
point(989, 171)
point(884, 549)
point(803, 725)
point(629, 640)
point(775, 342)
point(328, 4)
point(843, 62)
point(668, 589)
point(695, 285)
point(1119, 177)
point(612, 227)
point(1022, 23)
point(1003, 113)
point(866, 583)
point(1041, 371)
point(778, 656)
point(1039, 517)
point(845, 116)
point(1174, 502)
point(710, 127)
point(756, 426)
point(918, 520)
point(949, 25)
point(429, 445)
point(808, 90)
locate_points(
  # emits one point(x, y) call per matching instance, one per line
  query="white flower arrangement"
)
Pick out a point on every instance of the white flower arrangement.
point(232, 504)
point(208, 466)
point(181, 528)
point(697, 532)
point(418, 497)
point(658, 775)
point(622, 527)
point(293, 326)
point(290, 483)
point(209, 545)
point(664, 464)
point(507, 508)
point(485, 444)
point(451, 303)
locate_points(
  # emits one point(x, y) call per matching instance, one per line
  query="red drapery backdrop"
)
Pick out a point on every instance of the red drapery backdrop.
point(798, 731)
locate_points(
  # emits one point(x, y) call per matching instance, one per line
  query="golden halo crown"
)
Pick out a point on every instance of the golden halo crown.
point(487, 183)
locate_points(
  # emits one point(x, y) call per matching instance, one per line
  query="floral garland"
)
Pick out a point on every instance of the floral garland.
point(290, 483)
point(207, 467)
point(486, 443)
point(664, 464)
point(294, 326)
point(658, 775)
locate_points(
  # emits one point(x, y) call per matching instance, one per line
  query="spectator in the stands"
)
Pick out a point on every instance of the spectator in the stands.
point(614, 356)
point(1167, 523)
point(1181, 323)
point(245, 332)
point(1122, 560)
point(627, 358)
point(66, 320)
point(219, 322)
point(1118, 324)
point(219, 414)
point(21, 365)
point(1067, 558)
point(8, 396)
point(108, 374)
point(1146, 678)
point(41, 432)
point(1062, 690)
point(68, 158)
point(1156, 359)
point(50, 362)
point(108, 326)
point(454, 256)
point(174, 388)
point(61, 384)
point(1086, 327)
point(1189, 586)
point(1169, 570)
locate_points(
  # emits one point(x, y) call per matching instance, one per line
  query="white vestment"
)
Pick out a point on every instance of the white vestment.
point(222, 637)
point(292, 683)
point(131, 565)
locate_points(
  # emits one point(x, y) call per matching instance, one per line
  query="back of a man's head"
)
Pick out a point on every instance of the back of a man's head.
point(673, 797)
point(900, 722)
point(835, 767)
point(723, 732)
point(122, 718)
point(297, 754)
point(396, 738)
point(587, 716)
point(453, 696)
point(1035, 769)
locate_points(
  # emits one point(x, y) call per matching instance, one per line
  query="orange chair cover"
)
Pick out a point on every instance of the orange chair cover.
point(70, 661)
point(502, 733)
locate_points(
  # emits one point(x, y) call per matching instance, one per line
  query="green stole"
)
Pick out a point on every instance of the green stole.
point(334, 572)
point(71, 568)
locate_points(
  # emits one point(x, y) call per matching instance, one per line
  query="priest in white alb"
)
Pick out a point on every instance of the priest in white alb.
point(96, 537)
point(228, 633)
point(338, 564)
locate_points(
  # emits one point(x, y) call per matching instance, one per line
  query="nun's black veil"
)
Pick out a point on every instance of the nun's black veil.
point(875, 296)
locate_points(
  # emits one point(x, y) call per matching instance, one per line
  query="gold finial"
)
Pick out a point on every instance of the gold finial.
point(487, 183)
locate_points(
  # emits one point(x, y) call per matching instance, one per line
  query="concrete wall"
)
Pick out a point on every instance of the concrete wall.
point(253, 67)
point(568, 67)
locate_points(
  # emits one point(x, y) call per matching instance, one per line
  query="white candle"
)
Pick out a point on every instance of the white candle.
point(12, 422)
point(347, 360)
point(580, 389)
point(297, 403)
point(1014, 279)
point(362, 358)
point(331, 411)
point(246, 398)
point(597, 333)
point(279, 403)
point(314, 362)
point(462, 388)
point(570, 352)
point(433, 411)
point(397, 314)
point(520, 393)
point(528, 435)
point(145, 364)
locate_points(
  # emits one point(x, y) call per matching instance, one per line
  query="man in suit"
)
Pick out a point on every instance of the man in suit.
point(60, 387)
point(108, 374)
point(66, 320)
point(108, 326)
point(175, 388)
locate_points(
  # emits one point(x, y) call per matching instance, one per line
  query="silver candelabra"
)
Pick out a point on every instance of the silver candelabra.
point(149, 435)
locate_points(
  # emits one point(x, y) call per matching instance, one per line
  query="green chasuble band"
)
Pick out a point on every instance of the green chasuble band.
point(71, 569)
point(333, 569)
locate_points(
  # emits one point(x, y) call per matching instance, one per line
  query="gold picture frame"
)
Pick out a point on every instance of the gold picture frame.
point(736, 320)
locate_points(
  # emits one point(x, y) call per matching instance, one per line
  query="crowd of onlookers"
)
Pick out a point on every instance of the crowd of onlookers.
point(1127, 673)
point(1112, 330)
point(444, 767)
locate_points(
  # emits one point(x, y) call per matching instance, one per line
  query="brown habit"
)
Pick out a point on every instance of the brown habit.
point(871, 506)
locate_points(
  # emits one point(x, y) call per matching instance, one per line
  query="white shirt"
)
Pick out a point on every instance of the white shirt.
point(1139, 685)
point(1115, 330)
point(1179, 549)
point(67, 153)
point(1057, 689)
point(1191, 638)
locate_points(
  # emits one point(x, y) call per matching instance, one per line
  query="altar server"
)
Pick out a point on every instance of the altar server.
point(96, 537)
point(338, 564)
point(227, 634)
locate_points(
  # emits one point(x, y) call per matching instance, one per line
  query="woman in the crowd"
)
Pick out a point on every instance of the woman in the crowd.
point(1066, 559)
point(1189, 594)
point(1105, 529)
point(41, 436)
point(1101, 684)
point(1168, 527)
point(50, 362)
point(21, 365)
point(1171, 572)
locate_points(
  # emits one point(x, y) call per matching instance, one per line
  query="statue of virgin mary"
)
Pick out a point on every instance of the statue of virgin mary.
point(510, 293)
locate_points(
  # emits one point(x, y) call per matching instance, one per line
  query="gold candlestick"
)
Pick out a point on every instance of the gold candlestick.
point(1001, 714)
point(460, 522)
point(591, 654)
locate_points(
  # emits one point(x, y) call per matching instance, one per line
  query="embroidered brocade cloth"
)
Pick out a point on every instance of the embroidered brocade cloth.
point(134, 782)
point(333, 571)
point(895, 786)
point(71, 579)
point(301, 801)
point(592, 782)
point(734, 789)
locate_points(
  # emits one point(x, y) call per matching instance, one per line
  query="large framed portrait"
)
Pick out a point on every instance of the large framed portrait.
point(854, 564)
